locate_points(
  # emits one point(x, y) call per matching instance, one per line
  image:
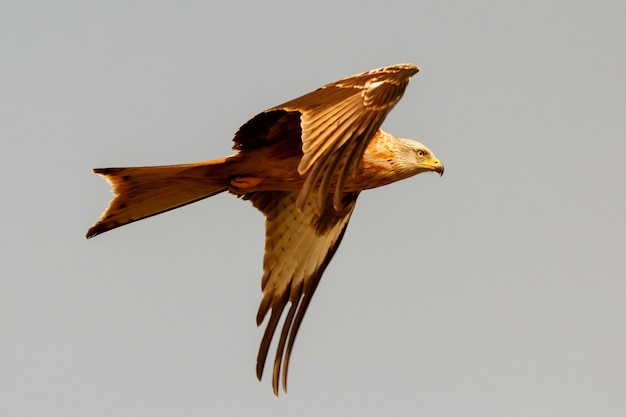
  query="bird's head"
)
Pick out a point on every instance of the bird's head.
point(420, 158)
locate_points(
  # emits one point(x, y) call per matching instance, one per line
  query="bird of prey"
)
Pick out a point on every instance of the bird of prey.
point(303, 165)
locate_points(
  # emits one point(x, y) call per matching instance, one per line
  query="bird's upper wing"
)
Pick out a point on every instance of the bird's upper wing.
point(298, 247)
point(336, 123)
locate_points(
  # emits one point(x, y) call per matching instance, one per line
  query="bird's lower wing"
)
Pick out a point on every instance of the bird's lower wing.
point(298, 248)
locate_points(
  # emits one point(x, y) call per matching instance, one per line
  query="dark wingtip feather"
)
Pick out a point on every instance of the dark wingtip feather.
point(267, 339)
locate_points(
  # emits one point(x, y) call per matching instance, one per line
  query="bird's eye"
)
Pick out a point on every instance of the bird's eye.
point(421, 153)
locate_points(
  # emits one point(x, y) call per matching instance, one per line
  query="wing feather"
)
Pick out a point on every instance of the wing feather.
point(298, 248)
point(336, 123)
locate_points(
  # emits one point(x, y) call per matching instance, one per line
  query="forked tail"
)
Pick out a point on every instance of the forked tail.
point(142, 192)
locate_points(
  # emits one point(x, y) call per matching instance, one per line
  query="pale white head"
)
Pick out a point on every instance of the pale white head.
point(416, 158)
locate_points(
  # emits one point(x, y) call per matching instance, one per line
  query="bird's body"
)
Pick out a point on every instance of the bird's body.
point(381, 164)
point(303, 164)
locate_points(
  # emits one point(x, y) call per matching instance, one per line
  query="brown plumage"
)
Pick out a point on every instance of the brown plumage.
point(303, 165)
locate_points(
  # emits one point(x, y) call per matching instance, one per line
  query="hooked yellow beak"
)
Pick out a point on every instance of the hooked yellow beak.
point(434, 165)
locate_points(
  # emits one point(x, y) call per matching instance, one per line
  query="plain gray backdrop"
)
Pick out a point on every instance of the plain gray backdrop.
point(496, 290)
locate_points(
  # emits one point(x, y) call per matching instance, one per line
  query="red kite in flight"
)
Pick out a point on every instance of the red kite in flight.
point(303, 165)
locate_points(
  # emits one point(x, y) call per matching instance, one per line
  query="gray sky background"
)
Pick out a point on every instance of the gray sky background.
point(496, 290)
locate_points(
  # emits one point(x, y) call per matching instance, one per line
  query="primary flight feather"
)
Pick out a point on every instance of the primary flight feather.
point(303, 165)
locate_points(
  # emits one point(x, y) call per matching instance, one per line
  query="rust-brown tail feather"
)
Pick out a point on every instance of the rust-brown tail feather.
point(142, 192)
